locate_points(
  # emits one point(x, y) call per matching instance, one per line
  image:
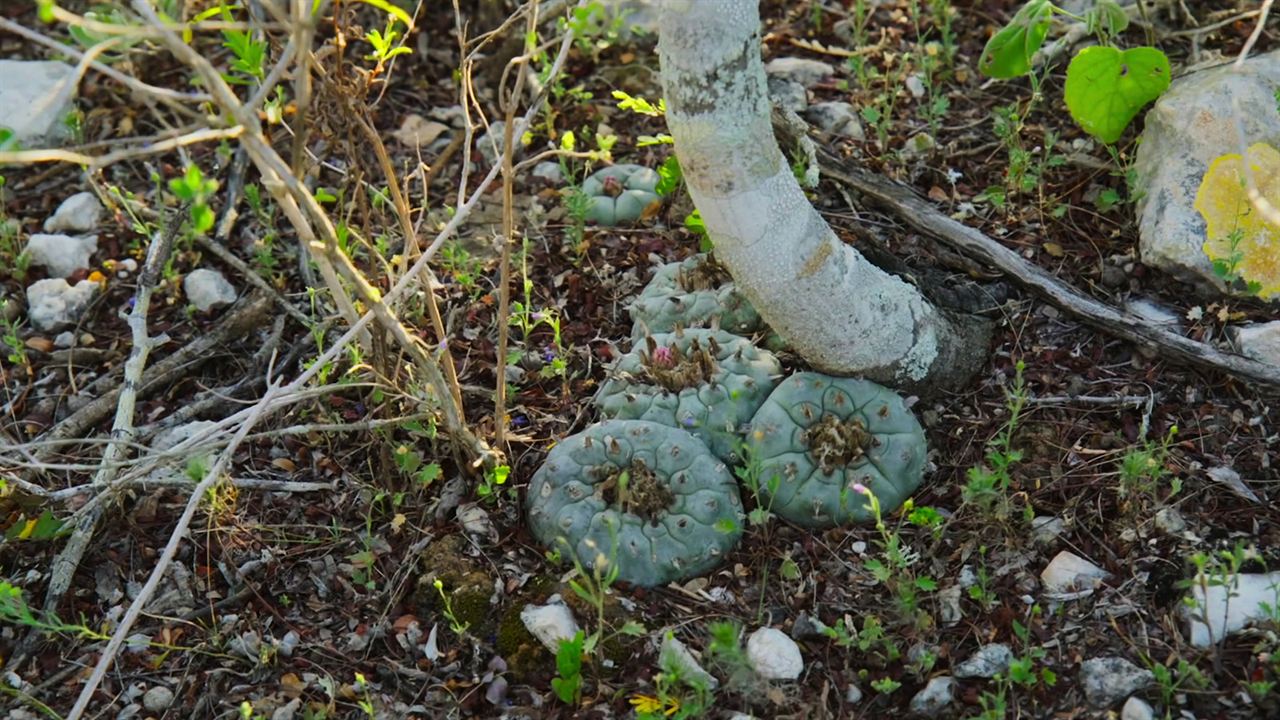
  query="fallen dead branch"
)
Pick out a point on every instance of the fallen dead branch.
point(923, 216)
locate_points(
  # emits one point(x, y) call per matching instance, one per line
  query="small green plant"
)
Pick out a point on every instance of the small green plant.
point(987, 487)
point(895, 568)
point(1143, 469)
point(885, 685)
point(458, 627)
point(193, 188)
point(493, 480)
point(1183, 676)
point(980, 591)
point(1106, 87)
point(17, 350)
point(567, 683)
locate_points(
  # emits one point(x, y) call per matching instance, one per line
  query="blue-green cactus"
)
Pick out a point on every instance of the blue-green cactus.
point(707, 382)
point(697, 292)
point(620, 194)
point(816, 437)
point(648, 498)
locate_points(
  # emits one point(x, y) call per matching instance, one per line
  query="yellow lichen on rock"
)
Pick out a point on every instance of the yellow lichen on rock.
point(1239, 236)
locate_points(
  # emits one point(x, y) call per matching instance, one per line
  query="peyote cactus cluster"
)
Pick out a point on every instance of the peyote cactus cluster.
point(648, 489)
point(650, 498)
point(621, 194)
point(705, 381)
point(821, 436)
point(696, 292)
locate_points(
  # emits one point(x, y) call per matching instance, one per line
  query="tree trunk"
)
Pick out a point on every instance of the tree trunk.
point(838, 311)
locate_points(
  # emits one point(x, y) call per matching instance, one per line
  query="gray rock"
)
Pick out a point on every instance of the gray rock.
point(1169, 520)
point(853, 694)
point(36, 96)
point(838, 118)
point(799, 70)
point(1153, 312)
point(208, 289)
point(489, 145)
point(935, 697)
point(1046, 528)
point(549, 172)
point(61, 255)
point(1137, 709)
point(79, 213)
point(1108, 680)
point(169, 438)
point(65, 339)
point(158, 699)
point(807, 628)
point(288, 711)
point(550, 623)
point(674, 653)
point(1260, 341)
point(1193, 123)
point(774, 655)
point(634, 17)
point(1068, 573)
point(919, 145)
point(988, 661)
point(54, 304)
point(788, 95)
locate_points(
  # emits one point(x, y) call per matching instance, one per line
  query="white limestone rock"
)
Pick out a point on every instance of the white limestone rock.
point(1260, 341)
point(79, 213)
point(1137, 709)
point(774, 655)
point(1069, 573)
point(55, 304)
point(935, 697)
point(987, 662)
point(208, 289)
point(61, 255)
point(676, 654)
point(1222, 609)
point(1193, 123)
point(550, 623)
point(36, 96)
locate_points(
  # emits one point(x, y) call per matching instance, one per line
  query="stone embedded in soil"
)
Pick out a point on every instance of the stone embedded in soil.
point(853, 694)
point(1068, 572)
point(1193, 123)
point(837, 118)
point(36, 96)
point(1260, 341)
point(1229, 605)
point(1108, 680)
point(1046, 528)
point(788, 95)
point(549, 172)
point(935, 697)
point(675, 654)
point(987, 662)
point(208, 289)
point(774, 655)
point(1137, 709)
point(550, 623)
point(79, 213)
point(61, 255)
point(158, 699)
point(54, 304)
point(799, 70)
point(1169, 520)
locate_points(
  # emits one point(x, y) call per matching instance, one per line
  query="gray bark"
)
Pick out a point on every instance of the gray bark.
point(841, 313)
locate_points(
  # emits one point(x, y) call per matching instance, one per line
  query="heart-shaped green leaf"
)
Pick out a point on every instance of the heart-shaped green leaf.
point(1106, 87)
point(1008, 52)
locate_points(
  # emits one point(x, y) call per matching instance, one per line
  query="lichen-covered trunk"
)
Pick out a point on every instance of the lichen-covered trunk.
point(838, 311)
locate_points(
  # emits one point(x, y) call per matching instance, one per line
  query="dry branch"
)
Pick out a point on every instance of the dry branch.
point(921, 215)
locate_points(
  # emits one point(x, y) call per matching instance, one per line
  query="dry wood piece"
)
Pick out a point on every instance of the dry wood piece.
point(921, 215)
